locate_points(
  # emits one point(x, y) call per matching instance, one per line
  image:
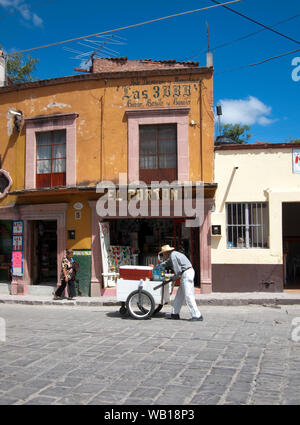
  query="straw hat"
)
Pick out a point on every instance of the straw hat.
point(166, 248)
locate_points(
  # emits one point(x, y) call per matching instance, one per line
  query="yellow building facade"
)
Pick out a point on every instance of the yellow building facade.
point(59, 138)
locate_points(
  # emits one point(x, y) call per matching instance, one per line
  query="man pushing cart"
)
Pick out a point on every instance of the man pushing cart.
point(142, 298)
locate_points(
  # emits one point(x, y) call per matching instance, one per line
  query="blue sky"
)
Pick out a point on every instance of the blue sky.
point(266, 97)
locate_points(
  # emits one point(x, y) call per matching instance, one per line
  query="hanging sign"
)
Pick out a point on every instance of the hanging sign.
point(18, 227)
point(296, 160)
point(17, 247)
point(17, 263)
point(17, 243)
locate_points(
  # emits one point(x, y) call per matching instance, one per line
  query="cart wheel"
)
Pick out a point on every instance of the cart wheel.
point(158, 308)
point(123, 310)
point(140, 305)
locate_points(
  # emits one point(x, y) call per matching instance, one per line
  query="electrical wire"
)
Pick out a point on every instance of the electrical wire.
point(257, 63)
point(256, 22)
point(122, 28)
point(240, 38)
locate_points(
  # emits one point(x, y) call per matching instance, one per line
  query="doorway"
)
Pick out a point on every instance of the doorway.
point(186, 240)
point(5, 250)
point(44, 262)
point(291, 245)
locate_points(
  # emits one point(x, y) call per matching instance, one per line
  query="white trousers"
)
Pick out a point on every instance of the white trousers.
point(186, 292)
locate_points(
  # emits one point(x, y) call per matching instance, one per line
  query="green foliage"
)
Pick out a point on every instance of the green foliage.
point(18, 69)
point(238, 133)
point(294, 140)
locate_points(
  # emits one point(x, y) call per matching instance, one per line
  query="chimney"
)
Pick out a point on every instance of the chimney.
point(2, 70)
point(209, 60)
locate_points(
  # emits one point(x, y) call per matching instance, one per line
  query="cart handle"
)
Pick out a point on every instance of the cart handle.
point(162, 284)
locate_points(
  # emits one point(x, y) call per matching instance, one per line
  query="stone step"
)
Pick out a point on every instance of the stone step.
point(32, 289)
point(4, 288)
point(41, 289)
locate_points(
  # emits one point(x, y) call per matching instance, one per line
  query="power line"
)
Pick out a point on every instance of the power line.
point(241, 38)
point(123, 28)
point(255, 32)
point(256, 22)
point(257, 63)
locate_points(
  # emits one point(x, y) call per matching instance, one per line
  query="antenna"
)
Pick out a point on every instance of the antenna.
point(97, 44)
point(208, 41)
point(99, 48)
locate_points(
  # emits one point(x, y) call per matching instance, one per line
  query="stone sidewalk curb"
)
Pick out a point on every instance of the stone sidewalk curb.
point(214, 299)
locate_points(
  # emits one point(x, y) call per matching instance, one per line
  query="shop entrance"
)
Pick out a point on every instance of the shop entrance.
point(44, 249)
point(5, 250)
point(144, 238)
point(291, 245)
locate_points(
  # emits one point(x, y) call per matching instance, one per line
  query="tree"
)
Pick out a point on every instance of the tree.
point(294, 141)
point(18, 69)
point(238, 133)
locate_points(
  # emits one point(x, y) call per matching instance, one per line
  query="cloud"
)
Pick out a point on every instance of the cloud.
point(21, 7)
point(38, 22)
point(247, 111)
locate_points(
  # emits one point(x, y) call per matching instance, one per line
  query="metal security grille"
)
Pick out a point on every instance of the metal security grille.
point(247, 225)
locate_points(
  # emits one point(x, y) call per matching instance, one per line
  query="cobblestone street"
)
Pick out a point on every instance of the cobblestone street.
point(90, 355)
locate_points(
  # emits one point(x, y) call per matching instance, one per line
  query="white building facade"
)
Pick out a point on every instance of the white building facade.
point(256, 220)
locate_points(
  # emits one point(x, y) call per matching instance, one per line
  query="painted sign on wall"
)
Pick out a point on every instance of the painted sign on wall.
point(158, 95)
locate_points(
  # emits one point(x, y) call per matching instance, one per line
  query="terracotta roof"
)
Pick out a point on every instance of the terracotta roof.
point(106, 76)
point(124, 64)
point(254, 146)
point(125, 59)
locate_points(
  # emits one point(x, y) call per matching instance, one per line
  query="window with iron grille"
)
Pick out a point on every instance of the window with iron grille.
point(51, 158)
point(247, 225)
point(158, 152)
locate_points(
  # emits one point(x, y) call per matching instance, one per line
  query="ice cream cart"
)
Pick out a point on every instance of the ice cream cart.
point(141, 297)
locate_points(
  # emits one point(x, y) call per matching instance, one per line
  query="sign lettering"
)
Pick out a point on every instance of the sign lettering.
point(159, 95)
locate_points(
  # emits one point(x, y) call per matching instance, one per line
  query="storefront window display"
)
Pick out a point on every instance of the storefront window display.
point(145, 237)
point(138, 241)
